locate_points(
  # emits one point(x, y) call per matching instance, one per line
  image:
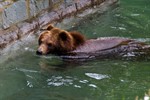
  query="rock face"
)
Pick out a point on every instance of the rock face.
point(22, 17)
point(21, 10)
point(14, 14)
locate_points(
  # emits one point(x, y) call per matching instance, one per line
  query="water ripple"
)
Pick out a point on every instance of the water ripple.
point(93, 85)
point(59, 81)
point(29, 84)
point(26, 70)
point(135, 15)
point(96, 76)
point(83, 81)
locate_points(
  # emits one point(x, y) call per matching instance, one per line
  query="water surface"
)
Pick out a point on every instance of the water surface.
point(26, 76)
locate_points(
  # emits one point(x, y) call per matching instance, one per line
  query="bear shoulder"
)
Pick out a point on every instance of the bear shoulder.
point(79, 39)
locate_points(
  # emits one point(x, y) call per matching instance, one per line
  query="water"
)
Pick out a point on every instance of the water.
point(26, 76)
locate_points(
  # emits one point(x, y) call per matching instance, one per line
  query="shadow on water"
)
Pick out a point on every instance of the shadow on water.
point(26, 76)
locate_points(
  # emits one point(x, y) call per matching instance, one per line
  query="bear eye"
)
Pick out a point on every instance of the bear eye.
point(49, 44)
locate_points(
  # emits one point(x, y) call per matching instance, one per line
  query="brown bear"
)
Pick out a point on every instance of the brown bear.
point(71, 45)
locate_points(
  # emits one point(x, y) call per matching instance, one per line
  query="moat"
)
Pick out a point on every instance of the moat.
point(27, 76)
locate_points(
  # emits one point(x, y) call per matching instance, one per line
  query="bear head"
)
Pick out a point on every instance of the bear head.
point(57, 41)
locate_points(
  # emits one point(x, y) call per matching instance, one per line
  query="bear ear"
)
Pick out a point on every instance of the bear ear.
point(63, 36)
point(49, 27)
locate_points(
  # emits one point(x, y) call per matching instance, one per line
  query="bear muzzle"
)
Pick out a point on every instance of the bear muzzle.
point(39, 52)
point(42, 50)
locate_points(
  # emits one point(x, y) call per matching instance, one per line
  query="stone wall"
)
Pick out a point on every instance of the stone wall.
point(21, 17)
point(21, 10)
point(15, 11)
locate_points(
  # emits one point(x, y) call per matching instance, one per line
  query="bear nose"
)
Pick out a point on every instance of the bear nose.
point(39, 52)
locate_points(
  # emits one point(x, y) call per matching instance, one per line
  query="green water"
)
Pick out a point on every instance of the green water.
point(27, 76)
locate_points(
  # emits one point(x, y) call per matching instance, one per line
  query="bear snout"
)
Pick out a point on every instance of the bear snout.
point(39, 52)
point(42, 50)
